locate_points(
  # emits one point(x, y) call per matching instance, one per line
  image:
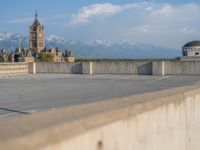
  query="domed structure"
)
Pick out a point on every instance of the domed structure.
point(191, 49)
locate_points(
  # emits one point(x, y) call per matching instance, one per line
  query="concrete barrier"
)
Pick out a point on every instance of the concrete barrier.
point(122, 67)
point(59, 67)
point(163, 120)
point(94, 67)
point(13, 68)
point(143, 67)
point(118, 67)
point(176, 67)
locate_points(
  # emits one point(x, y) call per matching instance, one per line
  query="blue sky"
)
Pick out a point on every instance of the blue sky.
point(165, 23)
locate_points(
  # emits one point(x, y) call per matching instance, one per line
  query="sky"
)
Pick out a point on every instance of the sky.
point(169, 23)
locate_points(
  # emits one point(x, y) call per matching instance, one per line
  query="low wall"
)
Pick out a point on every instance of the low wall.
point(164, 120)
point(13, 68)
point(176, 67)
point(58, 67)
point(143, 67)
point(94, 67)
point(122, 67)
point(149, 67)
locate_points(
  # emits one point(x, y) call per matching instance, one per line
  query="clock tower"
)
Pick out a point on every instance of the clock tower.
point(37, 41)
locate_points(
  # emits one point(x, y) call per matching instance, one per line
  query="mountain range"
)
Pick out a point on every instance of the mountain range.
point(93, 49)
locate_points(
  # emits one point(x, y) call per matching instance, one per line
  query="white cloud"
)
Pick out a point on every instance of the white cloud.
point(186, 30)
point(86, 13)
point(146, 29)
point(163, 12)
point(150, 8)
point(157, 23)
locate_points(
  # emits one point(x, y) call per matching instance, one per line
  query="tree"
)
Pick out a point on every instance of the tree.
point(45, 57)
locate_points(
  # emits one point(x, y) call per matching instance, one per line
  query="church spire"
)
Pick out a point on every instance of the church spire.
point(36, 22)
point(36, 15)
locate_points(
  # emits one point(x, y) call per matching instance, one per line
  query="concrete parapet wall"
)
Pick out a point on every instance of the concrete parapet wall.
point(86, 68)
point(182, 67)
point(94, 67)
point(30, 68)
point(60, 67)
point(122, 67)
point(176, 67)
point(164, 120)
point(143, 67)
point(11, 68)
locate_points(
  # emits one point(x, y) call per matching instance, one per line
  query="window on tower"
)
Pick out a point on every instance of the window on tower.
point(34, 44)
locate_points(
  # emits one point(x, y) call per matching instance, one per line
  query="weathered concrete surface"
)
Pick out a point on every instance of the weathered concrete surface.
point(31, 68)
point(122, 67)
point(148, 67)
point(95, 67)
point(182, 67)
point(59, 67)
point(10, 68)
point(162, 120)
point(176, 67)
point(40, 92)
point(142, 67)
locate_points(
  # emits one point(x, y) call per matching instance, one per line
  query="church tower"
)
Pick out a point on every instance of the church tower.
point(37, 40)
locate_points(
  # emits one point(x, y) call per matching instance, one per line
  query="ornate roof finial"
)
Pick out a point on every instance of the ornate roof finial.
point(36, 22)
point(36, 14)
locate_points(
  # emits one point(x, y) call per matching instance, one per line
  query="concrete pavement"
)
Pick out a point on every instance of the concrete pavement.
point(26, 93)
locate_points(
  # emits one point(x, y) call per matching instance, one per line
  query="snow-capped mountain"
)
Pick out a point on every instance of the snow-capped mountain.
point(12, 40)
point(54, 38)
point(99, 43)
point(93, 49)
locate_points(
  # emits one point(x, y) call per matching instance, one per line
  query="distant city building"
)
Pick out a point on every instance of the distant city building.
point(191, 49)
point(37, 40)
point(57, 55)
point(69, 55)
point(37, 45)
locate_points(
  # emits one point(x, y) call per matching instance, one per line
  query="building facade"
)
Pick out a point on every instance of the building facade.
point(37, 40)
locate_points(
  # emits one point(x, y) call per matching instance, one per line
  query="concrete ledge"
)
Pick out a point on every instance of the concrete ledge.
point(57, 67)
point(167, 119)
point(11, 68)
point(136, 67)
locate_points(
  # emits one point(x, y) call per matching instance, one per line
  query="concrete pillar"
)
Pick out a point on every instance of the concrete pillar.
point(34, 68)
point(87, 68)
point(91, 68)
point(163, 68)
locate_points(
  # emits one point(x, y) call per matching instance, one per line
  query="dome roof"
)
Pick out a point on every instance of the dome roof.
point(193, 43)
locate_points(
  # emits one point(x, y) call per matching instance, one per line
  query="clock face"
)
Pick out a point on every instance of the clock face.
point(40, 35)
point(34, 35)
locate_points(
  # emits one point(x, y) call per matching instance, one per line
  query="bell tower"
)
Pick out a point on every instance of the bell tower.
point(37, 40)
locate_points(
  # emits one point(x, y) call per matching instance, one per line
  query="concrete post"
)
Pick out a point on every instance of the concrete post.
point(91, 68)
point(163, 68)
point(34, 68)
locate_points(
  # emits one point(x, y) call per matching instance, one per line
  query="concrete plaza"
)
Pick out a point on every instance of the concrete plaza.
point(24, 94)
